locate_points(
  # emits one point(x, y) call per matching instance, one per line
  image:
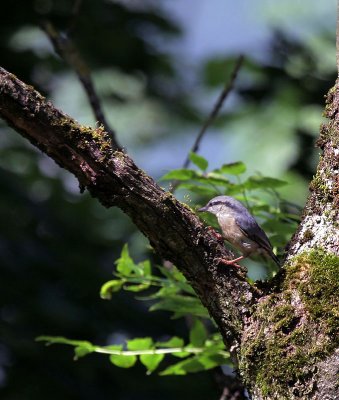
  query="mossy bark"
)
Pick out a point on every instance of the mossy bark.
point(173, 229)
point(289, 347)
point(282, 334)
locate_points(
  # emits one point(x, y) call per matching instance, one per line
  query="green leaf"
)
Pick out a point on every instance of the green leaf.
point(235, 168)
point(140, 344)
point(198, 160)
point(212, 360)
point(198, 334)
point(166, 291)
point(146, 266)
point(185, 287)
point(195, 364)
point(151, 361)
point(113, 347)
point(263, 182)
point(137, 288)
point(62, 340)
point(177, 275)
point(109, 287)
point(181, 304)
point(126, 266)
point(213, 178)
point(82, 347)
point(181, 354)
point(175, 341)
point(123, 361)
point(83, 350)
point(177, 282)
point(180, 175)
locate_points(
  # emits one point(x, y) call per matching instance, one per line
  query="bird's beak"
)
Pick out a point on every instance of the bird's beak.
point(202, 209)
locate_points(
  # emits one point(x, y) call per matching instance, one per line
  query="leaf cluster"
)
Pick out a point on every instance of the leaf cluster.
point(258, 193)
point(170, 292)
point(166, 288)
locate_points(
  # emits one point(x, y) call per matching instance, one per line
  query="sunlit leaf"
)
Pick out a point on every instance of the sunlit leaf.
point(83, 350)
point(151, 361)
point(126, 266)
point(140, 343)
point(263, 182)
point(123, 361)
point(62, 340)
point(82, 347)
point(173, 342)
point(109, 287)
point(214, 178)
point(235, 168)
point(137, 288)
point(196, 363)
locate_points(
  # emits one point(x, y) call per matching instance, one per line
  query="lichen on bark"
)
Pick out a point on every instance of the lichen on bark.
point(293, 329)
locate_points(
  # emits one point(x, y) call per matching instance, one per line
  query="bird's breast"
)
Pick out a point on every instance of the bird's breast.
point(235, 236)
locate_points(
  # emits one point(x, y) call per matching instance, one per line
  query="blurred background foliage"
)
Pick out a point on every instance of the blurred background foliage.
point(158, 67)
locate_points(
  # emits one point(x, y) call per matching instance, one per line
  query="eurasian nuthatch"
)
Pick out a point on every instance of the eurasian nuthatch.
point(239, 228)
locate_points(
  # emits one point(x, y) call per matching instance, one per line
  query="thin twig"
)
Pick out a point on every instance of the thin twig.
point(210, 119)
point(67, 51)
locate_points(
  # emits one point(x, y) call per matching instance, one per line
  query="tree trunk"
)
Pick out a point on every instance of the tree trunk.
point(282, 335)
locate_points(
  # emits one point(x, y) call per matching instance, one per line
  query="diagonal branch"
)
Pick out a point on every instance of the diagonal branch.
point(172, 228)
point(284, 342)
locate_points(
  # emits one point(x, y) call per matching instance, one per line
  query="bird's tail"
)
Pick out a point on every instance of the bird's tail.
point(275, 258)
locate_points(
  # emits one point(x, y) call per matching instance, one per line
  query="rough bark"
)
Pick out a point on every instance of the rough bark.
point(290, 342)
point(173, 229)
point(282, 335)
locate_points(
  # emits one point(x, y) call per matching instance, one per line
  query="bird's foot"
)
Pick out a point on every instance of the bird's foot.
point(231, 262)
point(216, 234)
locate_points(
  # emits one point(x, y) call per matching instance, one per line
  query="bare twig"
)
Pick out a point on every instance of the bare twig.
point(67, 51)
point(223, 95)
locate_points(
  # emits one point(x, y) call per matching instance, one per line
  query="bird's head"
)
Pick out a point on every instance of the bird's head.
point(223, 205)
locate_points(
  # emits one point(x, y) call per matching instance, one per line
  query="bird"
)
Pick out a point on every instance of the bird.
point(239, 228)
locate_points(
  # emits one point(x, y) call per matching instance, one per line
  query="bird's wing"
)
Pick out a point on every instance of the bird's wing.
point(249, 226)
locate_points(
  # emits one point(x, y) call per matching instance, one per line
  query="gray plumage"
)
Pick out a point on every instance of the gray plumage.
point(239, 227)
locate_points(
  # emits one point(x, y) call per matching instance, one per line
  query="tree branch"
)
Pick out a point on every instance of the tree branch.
point(220, 101)
point(67, 51)
point(284, 341)
point(174, 231)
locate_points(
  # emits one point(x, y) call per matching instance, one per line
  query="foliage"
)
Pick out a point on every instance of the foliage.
point(168, 289)
point(256, 191)
point(172, 293)
point(58, 247)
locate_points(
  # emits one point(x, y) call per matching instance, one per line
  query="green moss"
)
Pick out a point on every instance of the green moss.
point(318, 185)
point(329, 132)
point(85, 137)
point(290, 338)
point(319, 291)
